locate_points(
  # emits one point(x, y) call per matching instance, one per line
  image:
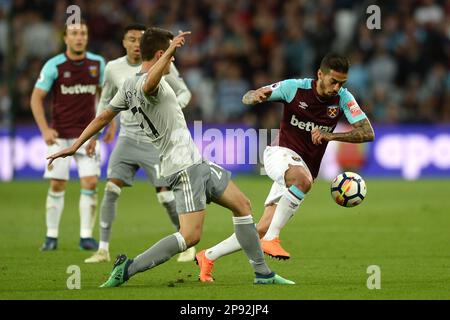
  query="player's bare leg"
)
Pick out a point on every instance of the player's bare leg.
point(266, 219)
point(54, 209)
point(245, 233)
point(205, 258)
point(88, 212)
point(298, 182)
point(167, 199)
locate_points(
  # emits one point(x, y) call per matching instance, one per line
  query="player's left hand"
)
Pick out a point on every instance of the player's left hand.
point(90, 147)
point(61, 154)
point(318, 136)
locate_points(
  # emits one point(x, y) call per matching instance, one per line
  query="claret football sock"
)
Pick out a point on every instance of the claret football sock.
point(108, 211)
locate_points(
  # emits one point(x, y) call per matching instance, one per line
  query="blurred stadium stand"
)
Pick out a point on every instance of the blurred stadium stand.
point(400, 74)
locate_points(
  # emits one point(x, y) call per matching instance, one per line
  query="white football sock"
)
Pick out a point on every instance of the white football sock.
point(54, 208)
point(104, 245)
point(88, 210)
point(287, 206)
point(223, 248)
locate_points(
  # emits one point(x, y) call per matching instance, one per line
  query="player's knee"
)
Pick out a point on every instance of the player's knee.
point(89, 183)
point(243, 205)
point(112, 187)
point(58, 185)
point(161, 189)
point(299, 177)
point(304, 185)
point(117, 182)
point(165, 196)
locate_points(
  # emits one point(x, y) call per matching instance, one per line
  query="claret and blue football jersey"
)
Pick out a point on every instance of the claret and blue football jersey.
point(73, 85)
point(305, 110)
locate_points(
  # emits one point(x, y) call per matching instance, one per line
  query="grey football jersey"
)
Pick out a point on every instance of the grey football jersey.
point(116, 72)
point(160, 118)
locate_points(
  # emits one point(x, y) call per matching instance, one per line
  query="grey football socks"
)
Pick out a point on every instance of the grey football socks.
point(108, 210)
point(159, 253)
point(248, 239)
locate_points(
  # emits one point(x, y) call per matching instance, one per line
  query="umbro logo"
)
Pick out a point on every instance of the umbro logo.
point(302, 105)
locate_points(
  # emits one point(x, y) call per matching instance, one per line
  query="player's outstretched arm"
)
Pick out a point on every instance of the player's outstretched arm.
point(95, 126)
point(156, 72)
point(257, 96)
point(362, 132)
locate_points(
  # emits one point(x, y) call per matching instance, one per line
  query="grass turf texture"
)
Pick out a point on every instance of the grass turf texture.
point(403, 227)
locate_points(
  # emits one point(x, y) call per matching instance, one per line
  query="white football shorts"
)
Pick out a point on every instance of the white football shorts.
point(87, 166)
point(276, 162)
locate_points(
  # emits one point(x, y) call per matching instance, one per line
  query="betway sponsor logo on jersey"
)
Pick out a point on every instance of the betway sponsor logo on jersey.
point(79, 89)
point(308, 126)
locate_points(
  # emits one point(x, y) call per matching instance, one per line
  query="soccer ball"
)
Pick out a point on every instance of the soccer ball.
point(348, 189)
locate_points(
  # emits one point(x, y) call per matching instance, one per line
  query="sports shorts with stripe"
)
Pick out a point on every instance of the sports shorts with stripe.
point(198, 185)
point(129, 155)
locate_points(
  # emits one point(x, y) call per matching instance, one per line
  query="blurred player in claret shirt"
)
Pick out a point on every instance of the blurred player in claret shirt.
point(312, 109)
point(73, 78)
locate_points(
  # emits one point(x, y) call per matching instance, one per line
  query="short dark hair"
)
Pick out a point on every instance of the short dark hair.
point(154, 39)
point(82, 22)
point(134, 26)
point(336, 62)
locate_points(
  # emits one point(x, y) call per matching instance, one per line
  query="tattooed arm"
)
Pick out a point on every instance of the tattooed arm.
point(256, 96)
point(362, 132)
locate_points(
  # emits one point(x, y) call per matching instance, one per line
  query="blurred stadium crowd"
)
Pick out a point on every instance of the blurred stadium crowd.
point(400, 73)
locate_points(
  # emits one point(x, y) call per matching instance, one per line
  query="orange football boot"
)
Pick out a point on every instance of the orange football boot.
point(205, 266)
point(274, 249)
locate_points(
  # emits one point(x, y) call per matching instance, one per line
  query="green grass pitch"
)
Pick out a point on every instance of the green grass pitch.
point(402, 227)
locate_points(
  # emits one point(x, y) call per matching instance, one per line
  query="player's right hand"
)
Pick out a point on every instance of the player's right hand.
point(50, 135)
point(179, 40)
point(61, 154)
point(262, 94)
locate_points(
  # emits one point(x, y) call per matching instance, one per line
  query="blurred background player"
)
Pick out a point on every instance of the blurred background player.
point(134, 149)
point(195, 181)
point(312, 109)
point(73, 77)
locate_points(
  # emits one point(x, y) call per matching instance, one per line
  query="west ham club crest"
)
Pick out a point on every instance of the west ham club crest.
point(93, 71)
point(332, 111)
